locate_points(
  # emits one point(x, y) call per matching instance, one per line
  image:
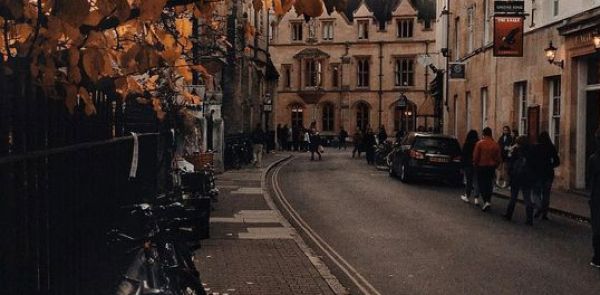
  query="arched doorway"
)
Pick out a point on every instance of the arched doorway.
point(362, 116)
point(405, 116)
point(297, 115)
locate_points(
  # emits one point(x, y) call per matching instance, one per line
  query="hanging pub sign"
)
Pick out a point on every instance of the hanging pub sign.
point(457, 70)
point(508, 36)
point(510, 7)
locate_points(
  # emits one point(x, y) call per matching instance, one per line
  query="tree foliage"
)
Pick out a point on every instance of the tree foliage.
point(143, 48)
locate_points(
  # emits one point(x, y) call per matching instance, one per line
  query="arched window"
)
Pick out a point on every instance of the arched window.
point(405, 116)
point(328, 117)
point(297, 115)
point(362, 116)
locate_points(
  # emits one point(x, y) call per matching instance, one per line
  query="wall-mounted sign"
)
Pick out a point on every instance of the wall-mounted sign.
point(508, 36)
point(509, 7)
point(457, 70)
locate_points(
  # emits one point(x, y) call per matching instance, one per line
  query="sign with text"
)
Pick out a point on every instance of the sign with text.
point(457, 70)
point(509, 7)
point(508, 36)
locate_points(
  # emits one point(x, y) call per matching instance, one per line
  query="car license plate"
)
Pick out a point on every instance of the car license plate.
point(438, 160)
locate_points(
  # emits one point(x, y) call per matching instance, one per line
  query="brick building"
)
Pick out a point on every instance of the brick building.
point(528, 93)
point(349, 69)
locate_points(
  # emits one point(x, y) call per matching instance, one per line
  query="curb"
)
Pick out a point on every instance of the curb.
point(333, 283)
point(555, 211)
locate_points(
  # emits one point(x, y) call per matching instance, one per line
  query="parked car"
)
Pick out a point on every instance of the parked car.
point(426, 155)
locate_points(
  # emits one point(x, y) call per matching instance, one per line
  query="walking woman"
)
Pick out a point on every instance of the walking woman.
point(357, 139)
point(594, 179)
point(314, 142)
point(520, 178)
point(370, 142)
point(545, 159)
point(467, 160)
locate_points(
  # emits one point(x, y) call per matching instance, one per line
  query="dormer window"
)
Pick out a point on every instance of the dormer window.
point(363, 30)
point(328, 30)
point(297, 31)
point(405, 28)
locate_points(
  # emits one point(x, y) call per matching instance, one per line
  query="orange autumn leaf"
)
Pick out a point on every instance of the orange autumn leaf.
point(89, 107)
point(184, 70)
point(150, 10)
point(184, 27)
point(70, 97)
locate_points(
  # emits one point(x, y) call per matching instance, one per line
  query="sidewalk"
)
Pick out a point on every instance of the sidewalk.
point(252, 250)
point(561, 203)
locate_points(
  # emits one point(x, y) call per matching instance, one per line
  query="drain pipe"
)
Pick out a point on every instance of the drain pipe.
point(380, 92)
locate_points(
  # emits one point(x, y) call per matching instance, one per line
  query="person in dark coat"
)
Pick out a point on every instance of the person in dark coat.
point(382, 135)
point(279, 137)
point(544, 160)
point(467, 161)
point(342, 138)
point(369, 143)
point(594, 179)
point(258, 142)
point(296, 137)
point(521, 178)
point(400, 135)
point(314, 142)
point(357, 139)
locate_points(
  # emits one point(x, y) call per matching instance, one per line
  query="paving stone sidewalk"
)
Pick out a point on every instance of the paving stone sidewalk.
point(569, 204)
point(250, 250)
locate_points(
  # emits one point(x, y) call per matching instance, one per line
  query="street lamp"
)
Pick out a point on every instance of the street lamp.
point(597, 41)
point(551, 56)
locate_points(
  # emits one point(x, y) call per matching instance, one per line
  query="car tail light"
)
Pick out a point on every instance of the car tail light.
point(457, 159)
point(416, 155)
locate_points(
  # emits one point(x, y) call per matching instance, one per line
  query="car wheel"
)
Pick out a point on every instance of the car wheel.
point(404, 177)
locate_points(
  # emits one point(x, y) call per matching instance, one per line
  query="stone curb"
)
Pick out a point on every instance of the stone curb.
point(556, 211)
point(334, 284)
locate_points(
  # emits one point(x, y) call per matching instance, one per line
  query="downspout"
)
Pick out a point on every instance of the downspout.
point(341, 85)
point(426, 83)
point(380, 92)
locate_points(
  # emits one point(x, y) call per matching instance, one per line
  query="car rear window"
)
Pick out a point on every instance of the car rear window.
point(446, 146)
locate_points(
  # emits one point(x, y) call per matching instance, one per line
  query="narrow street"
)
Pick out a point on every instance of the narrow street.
point(422, 239)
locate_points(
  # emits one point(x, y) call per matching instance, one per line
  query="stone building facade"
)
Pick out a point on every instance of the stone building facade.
point(528, 93)
point(349, 69)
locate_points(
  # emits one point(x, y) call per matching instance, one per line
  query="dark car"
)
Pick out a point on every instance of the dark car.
point(426, 155)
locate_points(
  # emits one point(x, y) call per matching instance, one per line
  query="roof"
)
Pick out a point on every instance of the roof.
point(311, 53)
point(382, 9)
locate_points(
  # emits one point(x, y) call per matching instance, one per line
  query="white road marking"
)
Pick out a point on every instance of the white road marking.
point(346, 267)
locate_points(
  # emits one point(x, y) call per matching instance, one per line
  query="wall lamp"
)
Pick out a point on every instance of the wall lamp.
point(596, 40)
point(551, 56)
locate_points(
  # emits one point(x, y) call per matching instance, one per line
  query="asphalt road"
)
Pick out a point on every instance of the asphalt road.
point(422, 239)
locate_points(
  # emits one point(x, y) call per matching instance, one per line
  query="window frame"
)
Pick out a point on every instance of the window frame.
point(522, 101)
point(484, 94)
point(297, 31)
point(405, 28)
point(364, 25)
point(335, 75)
point(327, 30)
point(310, 65)
point(297, 115)
point(328, 117)
point(470, 29)
point(555, 109)
point(287, 79)
point(362, 115)
point(555, 8)
point(363, 65)
point(400, 72)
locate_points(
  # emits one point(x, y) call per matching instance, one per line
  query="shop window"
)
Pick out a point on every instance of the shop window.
point(297, 115)
point(363, 72)
point(363, 29)
point(555, 110)
point(328, 117)
point(404, 72)
point(405, 28)
point(297, 31)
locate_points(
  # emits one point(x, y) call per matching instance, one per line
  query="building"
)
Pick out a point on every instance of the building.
point(527, 93)
point(349, 69)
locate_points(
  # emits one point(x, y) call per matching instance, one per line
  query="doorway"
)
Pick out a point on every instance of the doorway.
point(592, 124)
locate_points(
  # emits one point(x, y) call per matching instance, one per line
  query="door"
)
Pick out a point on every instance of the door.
point(592, 124)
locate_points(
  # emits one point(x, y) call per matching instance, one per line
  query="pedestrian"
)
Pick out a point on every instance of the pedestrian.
point(545, 159)
point(515, 135)
point(342, 138)
point(506, 142)
point(486, 158)
point(469, 172)
point(314, 143)
point(288, 138)
point(258, 141)
point(521, 175)
point(594, 180)
point(369, 142)
point(382, 135)
point(296, 135)
point(279, 137)
point(305, 139)
point(357, 139)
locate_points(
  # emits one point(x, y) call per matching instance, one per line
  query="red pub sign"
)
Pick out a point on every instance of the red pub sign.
point(508, 36)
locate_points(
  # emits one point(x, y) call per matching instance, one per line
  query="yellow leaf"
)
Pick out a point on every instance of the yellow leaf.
point(184, 69)
point(150, 10)
point(133, 86)
point(184, 27)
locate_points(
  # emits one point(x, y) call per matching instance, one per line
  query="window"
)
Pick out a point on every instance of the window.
point(555, 5)
point(328, 30)
point(363, 72)
point(521, 94)
point(382, 25)
point(405, 117)
point(468, 110)
point(312, 73)
point(297, 31)
point(328, 116)
point(362, 116)
point(363, 29)
point(486, 22)
point(335, 76)
point(470, 20)
point(533, 9)
point(297, 115)
point(404, 70)
point(287, 76)
point(455, 111)
point(555, 110)
point(405, 28)
point(456, 38)
point(484, 108)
